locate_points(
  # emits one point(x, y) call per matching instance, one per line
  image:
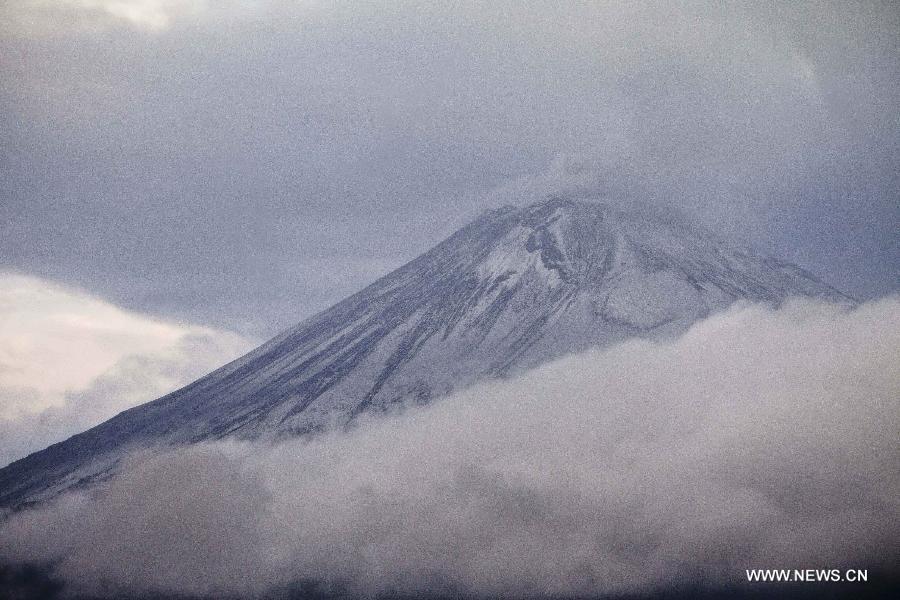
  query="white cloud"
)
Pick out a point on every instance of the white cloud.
point(69, 361)
point(37, 17)
point(147, 14)
point(759, 439)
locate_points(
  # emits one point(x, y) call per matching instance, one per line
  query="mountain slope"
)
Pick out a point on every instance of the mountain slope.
point(513, 289)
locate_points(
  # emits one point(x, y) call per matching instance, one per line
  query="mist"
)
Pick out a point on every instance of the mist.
point(760, 438)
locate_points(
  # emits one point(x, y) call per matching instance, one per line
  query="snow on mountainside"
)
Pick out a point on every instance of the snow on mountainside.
point(515, 288)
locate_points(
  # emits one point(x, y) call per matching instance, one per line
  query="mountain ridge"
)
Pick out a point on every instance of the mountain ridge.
point(511, 290)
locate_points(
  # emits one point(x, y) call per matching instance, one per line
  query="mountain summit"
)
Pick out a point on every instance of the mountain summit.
point(513, 289)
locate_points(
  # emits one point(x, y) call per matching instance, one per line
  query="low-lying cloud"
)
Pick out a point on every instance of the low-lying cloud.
point(760, 438)
point(69, 361)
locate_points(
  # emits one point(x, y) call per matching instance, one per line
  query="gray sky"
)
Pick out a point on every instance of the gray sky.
point(245, 164)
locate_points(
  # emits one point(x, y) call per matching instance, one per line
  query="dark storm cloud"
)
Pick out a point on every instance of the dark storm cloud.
point(759, 439)
point(244, 164)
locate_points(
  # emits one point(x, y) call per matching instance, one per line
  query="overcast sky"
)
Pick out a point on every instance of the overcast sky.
point(243, 164)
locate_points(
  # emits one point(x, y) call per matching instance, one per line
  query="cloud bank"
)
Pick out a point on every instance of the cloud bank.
point(760, 438)
point(69, 361)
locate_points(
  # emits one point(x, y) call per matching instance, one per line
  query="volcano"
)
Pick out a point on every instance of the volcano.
point(515, 288)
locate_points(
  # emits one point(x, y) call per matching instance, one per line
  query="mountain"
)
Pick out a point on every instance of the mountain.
point(513, 289)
